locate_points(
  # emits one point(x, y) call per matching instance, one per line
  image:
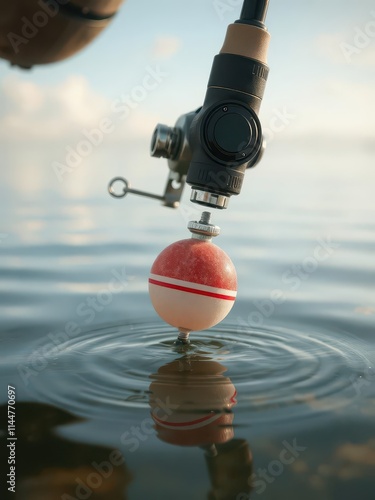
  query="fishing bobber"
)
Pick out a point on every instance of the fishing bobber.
point(193, 283)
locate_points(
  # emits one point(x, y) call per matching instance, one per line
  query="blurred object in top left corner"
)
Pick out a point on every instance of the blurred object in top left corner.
point(46, 31)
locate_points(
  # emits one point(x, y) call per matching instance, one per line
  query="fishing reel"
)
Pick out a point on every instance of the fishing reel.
point(211, 148)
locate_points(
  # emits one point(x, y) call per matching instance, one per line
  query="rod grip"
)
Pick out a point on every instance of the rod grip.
point(248, 41)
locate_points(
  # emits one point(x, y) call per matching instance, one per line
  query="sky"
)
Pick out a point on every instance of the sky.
point(320, 91)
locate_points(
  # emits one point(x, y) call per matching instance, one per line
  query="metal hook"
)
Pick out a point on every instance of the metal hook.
point(171, 196)
point(128, 190)
point(111, 187)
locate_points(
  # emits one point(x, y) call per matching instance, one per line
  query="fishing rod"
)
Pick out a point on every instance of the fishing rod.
point(211, 148)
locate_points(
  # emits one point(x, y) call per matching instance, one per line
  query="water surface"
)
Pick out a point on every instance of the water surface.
point(277, 401)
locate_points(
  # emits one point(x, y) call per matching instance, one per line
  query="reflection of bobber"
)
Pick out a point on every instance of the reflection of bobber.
point(191, 402)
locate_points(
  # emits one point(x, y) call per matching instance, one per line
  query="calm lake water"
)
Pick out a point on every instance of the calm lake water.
point(275, 402)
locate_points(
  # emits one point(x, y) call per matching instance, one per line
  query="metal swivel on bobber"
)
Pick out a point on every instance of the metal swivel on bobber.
point(193, 283)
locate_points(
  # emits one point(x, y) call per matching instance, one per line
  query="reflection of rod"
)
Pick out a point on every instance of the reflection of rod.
point(254, 11)
point(230, 469)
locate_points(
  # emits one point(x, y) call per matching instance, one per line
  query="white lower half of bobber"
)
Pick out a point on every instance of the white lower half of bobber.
point(189, 306)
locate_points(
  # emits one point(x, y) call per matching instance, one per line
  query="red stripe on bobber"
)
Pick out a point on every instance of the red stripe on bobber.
point(191, 290)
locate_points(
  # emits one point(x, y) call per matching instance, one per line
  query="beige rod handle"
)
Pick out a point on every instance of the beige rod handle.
point(248, 41)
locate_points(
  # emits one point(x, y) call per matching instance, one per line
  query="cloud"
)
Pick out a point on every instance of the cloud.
point(345, 50)
point(327, 45)
point(345, 108)
point(330, 108)
point(32, 111)
point(140, 125)
point(333, 109)
point(166, 47)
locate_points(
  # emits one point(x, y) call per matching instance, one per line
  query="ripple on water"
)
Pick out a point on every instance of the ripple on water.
point(277, 374)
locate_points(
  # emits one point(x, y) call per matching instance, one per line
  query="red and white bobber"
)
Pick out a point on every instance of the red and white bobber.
point(193, 283)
